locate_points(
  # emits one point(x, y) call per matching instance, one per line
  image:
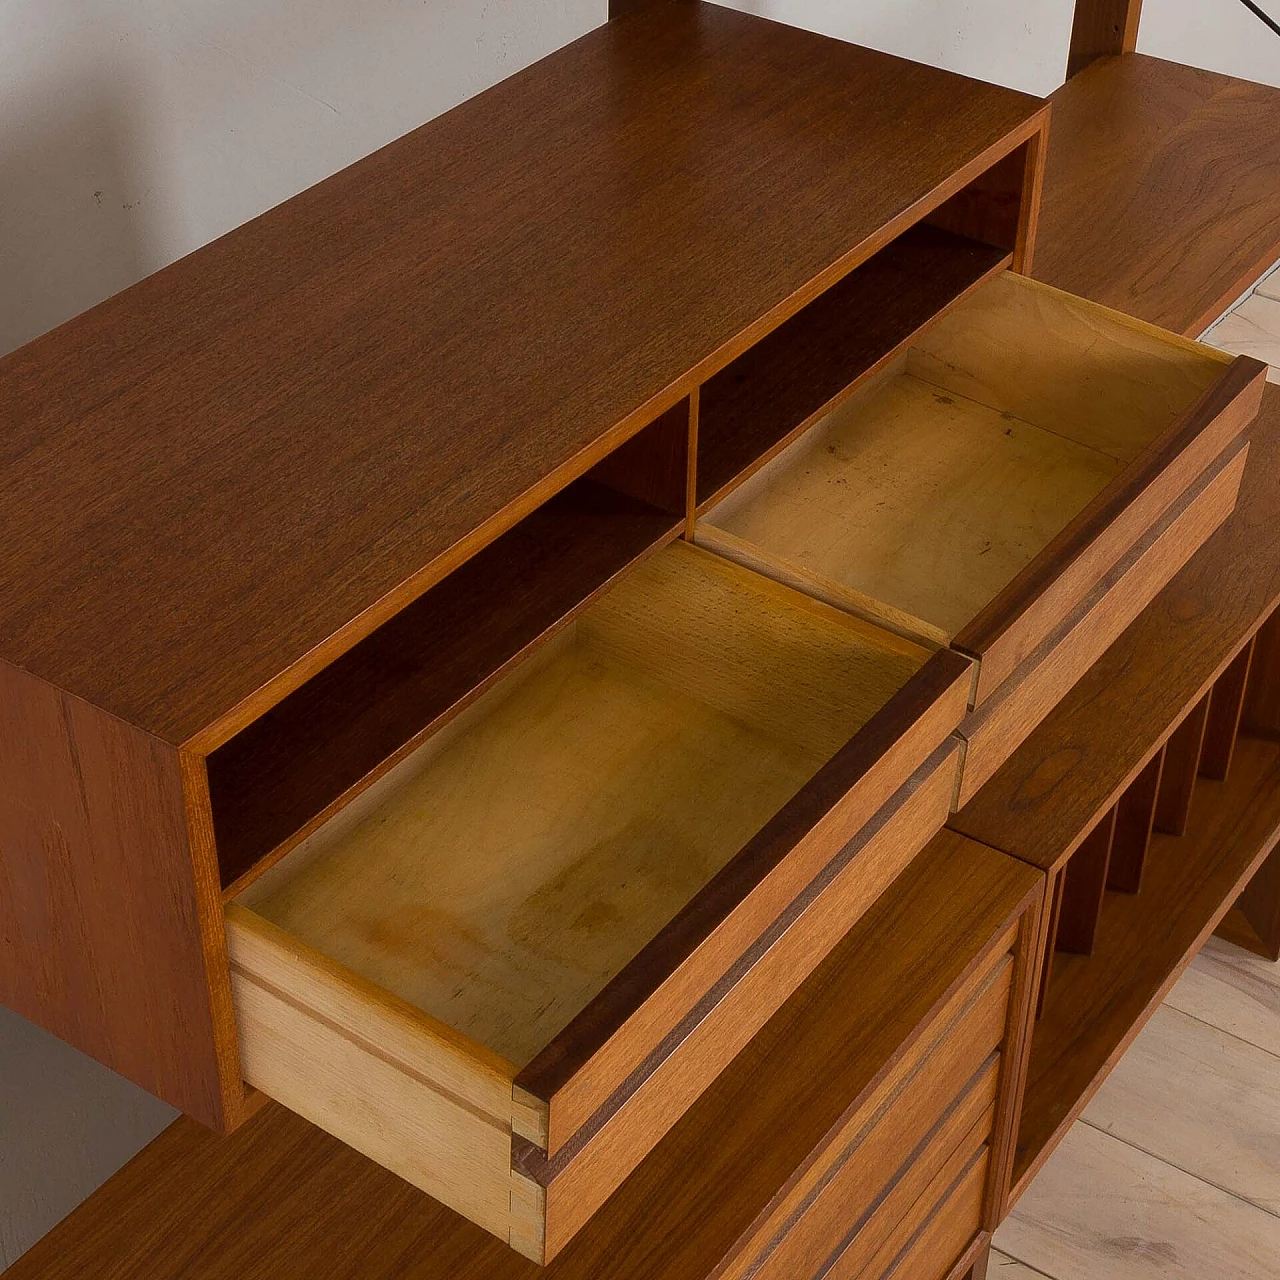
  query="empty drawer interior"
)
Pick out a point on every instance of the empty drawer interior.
point(922, 496)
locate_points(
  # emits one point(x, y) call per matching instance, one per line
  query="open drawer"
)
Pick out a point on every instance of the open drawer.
point(978, 490)
point(508, 968)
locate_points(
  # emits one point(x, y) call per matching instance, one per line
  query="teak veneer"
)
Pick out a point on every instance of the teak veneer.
point(1159, 768)
point(1015, 484)
point(540, 937)
point(380, 736)
point(1161, 189)
point(859, 1065)
point(277, 514)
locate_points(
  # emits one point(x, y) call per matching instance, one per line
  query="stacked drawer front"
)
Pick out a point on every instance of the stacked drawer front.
point(911, 1160)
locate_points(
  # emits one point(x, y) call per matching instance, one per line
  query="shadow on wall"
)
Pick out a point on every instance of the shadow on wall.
point(66, 1125)
point(69, 222)
point(70, 235)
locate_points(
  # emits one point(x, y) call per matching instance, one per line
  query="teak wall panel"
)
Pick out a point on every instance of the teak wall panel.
point(222, 479)
point(275, 443)
point(109, 937)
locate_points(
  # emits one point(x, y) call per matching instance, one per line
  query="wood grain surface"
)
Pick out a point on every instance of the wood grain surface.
point(1233, 991)
point(1097, 1004)
point(1181, 767)
point(642, 729)
point(281, 1198)
point(1182, 1079)
point(1162, 189)
point(808, 364)
point(1135, 820)
point(1101, 29)
point(610, 1143)
point(1018, 392)
point(1083, 888)
point(1102, 1208)
point(110, 927)
point(279, 778)
point(225, 476)
point(821, 819)
point(1074, 766)
point(998, 726)
point(1226, 705)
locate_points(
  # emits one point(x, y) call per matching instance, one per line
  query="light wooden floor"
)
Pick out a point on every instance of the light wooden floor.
point(1252, 327)
point(1173, 1171)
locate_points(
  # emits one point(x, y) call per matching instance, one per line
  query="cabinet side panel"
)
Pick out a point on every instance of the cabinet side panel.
point(101, 937)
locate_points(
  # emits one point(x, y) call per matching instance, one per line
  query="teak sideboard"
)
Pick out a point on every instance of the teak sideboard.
point(549, 655)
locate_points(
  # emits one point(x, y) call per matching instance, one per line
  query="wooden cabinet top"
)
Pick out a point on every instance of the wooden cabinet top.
point(218, 480)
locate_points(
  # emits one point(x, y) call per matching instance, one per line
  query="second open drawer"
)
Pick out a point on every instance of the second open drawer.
point(508, 968)
point(977, 491)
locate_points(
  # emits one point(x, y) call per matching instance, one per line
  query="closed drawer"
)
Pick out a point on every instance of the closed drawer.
point(978, 492)
point(848, 1201)
point(509, 967)
point(934, 1237)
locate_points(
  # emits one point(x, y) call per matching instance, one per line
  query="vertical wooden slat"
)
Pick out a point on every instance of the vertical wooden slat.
point(1260, 906)
point(691, 475)
point(1101, 29)
point(1262, 699)
point(979, 1269)
point(1054, 914)
point(1014, 1055)
point(1083, 889)
point(654, 464)
point(1037, 150)
point(1135, 818)
point(1226, 704)
point(1181, 765)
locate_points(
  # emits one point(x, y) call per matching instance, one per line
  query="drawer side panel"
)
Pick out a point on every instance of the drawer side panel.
point(377, 1078)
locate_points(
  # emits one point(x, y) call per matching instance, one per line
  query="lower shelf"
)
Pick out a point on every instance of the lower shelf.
point(1097, 1003)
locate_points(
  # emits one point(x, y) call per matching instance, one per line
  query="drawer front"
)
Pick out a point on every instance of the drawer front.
point(587, 1168)
point(995, 730)
point(853, 1193)
point(939, 1230)
point(840, 818)
point(1035, 605)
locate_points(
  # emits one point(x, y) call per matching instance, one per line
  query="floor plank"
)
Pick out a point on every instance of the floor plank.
point(1200, 1100)
point(1251, 329)
point(1003, 1267)
point(1269, 285)
point(1103, 1210)
point(1234, 991)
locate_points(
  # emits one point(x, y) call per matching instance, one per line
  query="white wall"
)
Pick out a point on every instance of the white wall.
point(1019, 43)
point(1220, 35)
point(133, 131)
point(1023, 43)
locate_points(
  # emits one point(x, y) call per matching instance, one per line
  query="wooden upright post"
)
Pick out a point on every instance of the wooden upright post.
point(1102, 28)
